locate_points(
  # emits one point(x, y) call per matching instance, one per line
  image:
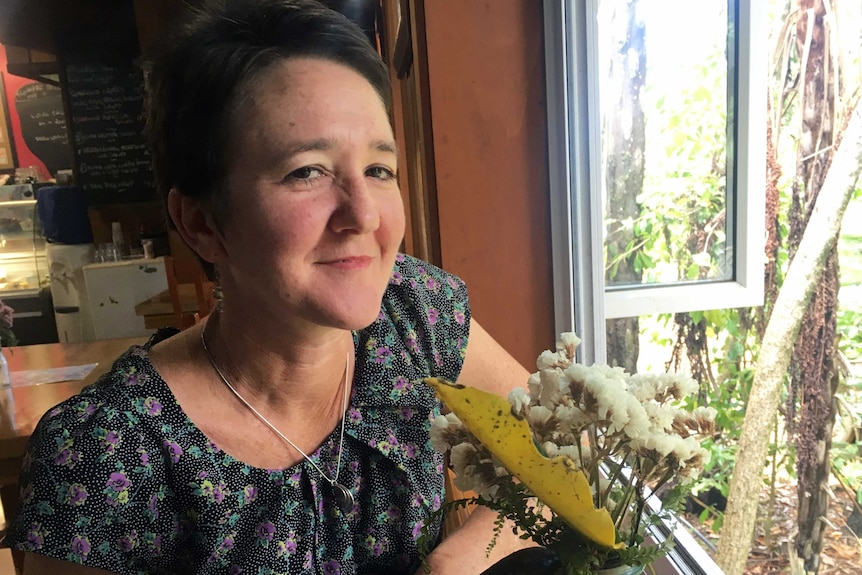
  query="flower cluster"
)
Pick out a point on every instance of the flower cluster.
point(629, 434)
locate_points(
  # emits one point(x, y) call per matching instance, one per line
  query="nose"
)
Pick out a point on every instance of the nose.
point(358, 210)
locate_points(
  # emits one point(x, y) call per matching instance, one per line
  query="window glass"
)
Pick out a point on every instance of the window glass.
point(665, 72)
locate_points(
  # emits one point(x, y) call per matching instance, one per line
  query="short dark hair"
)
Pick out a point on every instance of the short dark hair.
point(203, 70)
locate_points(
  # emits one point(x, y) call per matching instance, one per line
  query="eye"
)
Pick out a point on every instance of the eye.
point(380, 172)
point(306, 173)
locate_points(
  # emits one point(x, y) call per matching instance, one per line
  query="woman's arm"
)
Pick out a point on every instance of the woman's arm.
point(489, 367)
point(35, 564)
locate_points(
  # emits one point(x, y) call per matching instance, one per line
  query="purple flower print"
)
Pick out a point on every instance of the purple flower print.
point(353, 415)
point(35, 536)
point(77, 494)
point(153, 405)
point(383, 354)
point(417, 530)
point(413, 283)
point(400, 383)
point(65, 458)
point(152, 505)
point(235, 570)
point(460, 318)
point(331, 567)
point(396, 279)
point(393, 512)
point(306, 563)
point(174, 450)
point(227, 542)
point(145, 457)
point(250, 493)
point(431, 283)
point(135, 379)
point(437, 359)
point(410, 450)
point(111, 441)
point(452, 283)
point(80, 546)
point(411, 343)
point(265, 531)
point(399, 257)
point(129, 542)
point(218, 492)
point(118, 481)
point(421, 271)
point(432, 314)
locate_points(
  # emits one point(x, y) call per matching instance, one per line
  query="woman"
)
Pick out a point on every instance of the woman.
point(289, 431)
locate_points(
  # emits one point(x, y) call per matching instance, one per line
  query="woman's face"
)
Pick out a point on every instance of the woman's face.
point(314, 213)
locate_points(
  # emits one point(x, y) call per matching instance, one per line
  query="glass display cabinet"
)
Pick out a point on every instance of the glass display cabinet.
point(23, 266)
point(24, 282)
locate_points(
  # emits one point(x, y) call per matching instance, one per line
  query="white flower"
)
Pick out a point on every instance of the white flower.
point(538, 416)
point(660, 416)
point(446, 430)
point(520, 399)
point(534, 384)
point(571, 451)
point(552, 385)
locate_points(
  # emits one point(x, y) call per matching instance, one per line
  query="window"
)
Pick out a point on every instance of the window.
point(626, 77)
point(656, 119)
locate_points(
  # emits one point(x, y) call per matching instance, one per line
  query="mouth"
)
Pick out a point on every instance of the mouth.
point(349, 262)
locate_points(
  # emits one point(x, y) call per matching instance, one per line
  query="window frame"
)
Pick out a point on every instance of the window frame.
point(574, 130)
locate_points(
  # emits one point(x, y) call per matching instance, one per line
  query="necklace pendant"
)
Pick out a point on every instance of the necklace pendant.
point(343, 497)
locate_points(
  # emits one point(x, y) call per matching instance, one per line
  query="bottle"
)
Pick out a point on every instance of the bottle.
point(5, 378)
point(118, 241)
point(7, 400)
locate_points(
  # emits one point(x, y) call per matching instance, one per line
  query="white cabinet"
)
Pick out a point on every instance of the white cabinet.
point(113, 290)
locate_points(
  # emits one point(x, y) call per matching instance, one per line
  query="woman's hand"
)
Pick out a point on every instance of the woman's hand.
point(465, 551)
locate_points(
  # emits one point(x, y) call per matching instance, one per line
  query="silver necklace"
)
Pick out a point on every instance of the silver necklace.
point(343, 496)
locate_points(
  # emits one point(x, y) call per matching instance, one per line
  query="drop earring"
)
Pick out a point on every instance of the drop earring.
point(218, 294)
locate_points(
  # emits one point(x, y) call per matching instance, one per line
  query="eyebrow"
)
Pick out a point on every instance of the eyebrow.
point(323, 144)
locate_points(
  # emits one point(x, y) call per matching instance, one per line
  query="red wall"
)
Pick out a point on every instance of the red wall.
point(11, 84)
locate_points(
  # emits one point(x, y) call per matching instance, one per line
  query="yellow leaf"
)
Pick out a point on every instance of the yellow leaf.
point(556, 482)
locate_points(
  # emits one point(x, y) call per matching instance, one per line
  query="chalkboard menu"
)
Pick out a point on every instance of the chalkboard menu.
point(43, 124)
point(106, 104)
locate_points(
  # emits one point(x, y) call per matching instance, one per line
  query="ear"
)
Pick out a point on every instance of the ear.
point(195, 226)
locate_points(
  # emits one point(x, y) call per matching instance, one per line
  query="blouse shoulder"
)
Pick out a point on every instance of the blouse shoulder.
point(429, 309)
point(88, 473)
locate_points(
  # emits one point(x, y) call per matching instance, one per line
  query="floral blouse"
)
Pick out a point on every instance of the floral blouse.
point(119, 478)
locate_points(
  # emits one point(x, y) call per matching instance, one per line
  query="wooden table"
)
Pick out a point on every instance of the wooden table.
point(32, 401)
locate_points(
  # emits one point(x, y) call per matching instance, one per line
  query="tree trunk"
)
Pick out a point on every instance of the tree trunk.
point(625, 135)
point(812, 364)
point(774, 358)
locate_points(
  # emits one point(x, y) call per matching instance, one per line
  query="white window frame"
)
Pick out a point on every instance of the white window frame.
point(571, 55)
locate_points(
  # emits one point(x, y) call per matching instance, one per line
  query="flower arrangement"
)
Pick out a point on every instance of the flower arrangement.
point(573, 461)
point(7, 336)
